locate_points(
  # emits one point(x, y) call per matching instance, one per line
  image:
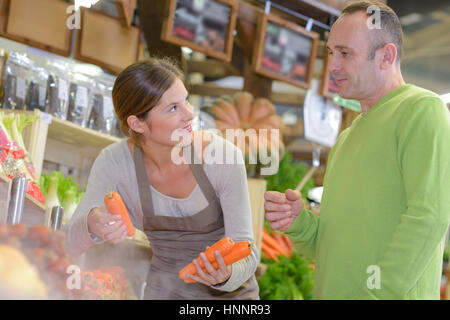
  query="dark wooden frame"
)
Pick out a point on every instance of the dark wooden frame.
point(226, 55)
point(259, 50)
point(31, 42)
point(3, 11)
point(125, 10)
point(78, 42)
point(324, 81)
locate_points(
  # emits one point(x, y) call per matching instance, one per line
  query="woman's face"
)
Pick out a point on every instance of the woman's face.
point(171, 119)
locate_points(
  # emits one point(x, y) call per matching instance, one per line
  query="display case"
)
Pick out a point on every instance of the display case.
point(285, 51)
point(204, 25)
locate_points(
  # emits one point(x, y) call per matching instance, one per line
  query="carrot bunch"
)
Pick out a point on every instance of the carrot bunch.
point(275, 244)
point(230, 251)
point(102, 284)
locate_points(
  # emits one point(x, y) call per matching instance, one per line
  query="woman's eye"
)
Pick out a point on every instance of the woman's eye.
point(344, 53)
point(172, 109)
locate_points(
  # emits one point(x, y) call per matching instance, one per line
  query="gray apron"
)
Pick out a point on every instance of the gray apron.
point(176, 241)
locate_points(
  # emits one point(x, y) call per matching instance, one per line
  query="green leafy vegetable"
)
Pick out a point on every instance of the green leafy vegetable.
point(287, 279)
point(289, 175)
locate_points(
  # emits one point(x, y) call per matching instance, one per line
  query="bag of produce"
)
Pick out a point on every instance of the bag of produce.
point(37, 89)
point(101, 109)
point(58, 88)
point(79, 98)
point(17, 72)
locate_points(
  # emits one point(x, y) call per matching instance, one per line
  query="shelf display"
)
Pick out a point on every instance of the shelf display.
point(43, 251)
point(285, 51)
point(204, 25)
point(258, 116)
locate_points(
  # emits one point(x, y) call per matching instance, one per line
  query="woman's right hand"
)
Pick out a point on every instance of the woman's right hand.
point(106, 226)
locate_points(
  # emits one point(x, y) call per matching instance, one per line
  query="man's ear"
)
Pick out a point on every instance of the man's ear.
point(135, 124)
point(389, 56)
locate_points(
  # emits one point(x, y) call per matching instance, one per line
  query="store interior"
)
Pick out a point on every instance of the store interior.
point(56, 102)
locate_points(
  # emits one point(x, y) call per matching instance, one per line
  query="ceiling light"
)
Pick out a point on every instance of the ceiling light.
point(84, 3)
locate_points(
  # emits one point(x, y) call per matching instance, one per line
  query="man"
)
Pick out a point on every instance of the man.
point(386, 202)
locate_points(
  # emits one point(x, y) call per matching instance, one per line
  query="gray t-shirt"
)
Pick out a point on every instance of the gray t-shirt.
point(113, 170)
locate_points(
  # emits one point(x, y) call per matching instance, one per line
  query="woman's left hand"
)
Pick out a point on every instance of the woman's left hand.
point(213, 276)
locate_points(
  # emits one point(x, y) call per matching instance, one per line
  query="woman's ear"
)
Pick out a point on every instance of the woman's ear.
point(135, 124)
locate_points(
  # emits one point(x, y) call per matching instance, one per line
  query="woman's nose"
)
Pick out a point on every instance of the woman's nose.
point(188, 111)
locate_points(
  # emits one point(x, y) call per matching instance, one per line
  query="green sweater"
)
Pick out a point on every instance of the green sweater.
point(386, 203)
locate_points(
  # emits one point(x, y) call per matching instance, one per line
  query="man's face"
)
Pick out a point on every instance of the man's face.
point(348, 45)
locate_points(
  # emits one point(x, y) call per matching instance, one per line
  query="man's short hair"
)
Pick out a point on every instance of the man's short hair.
point(391, 29)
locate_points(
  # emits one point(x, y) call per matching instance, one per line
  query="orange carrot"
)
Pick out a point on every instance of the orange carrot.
point(239, 251)
point(224, 246)
point(288, 242)
point(279, 238)
point(271, 242)
point(115, 205)
point(269, 252)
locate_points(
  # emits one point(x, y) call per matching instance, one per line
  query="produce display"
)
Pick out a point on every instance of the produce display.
point(59, 88)
point(108, 283)
point(287, 279)
point(45, 250)
point(14, 157)
point(61, 191)
point(242, 111)
point(18, 278)
point(275, 244)
point(230, 251)
point(45, 265)
point(289, 175)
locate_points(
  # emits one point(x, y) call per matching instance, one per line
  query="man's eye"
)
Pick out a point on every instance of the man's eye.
point(344, 53)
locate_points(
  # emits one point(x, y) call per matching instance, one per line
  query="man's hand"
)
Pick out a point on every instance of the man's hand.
point(106, 226)
point(282, 208)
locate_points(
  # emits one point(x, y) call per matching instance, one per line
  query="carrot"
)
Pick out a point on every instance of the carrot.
point(271, 242)
point(269, 252)
point(224, 246)
point(279, 238)
point(288, 242)
point(115, 205)
point(240, 250)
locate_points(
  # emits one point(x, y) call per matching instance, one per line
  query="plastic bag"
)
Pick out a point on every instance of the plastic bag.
point(37, 89)
point(79, 99)
point(101, 109)
point(57, 102)
point(18, 69)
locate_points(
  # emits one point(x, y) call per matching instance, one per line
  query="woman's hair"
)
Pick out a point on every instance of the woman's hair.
point(139, 87)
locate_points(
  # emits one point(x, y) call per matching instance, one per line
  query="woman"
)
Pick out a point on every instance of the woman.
point(182, 208)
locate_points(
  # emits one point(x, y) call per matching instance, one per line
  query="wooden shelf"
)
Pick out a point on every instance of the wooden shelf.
point(72, 133)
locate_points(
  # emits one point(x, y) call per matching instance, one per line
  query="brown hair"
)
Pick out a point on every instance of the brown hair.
point(139, 87)
point(391, 29)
